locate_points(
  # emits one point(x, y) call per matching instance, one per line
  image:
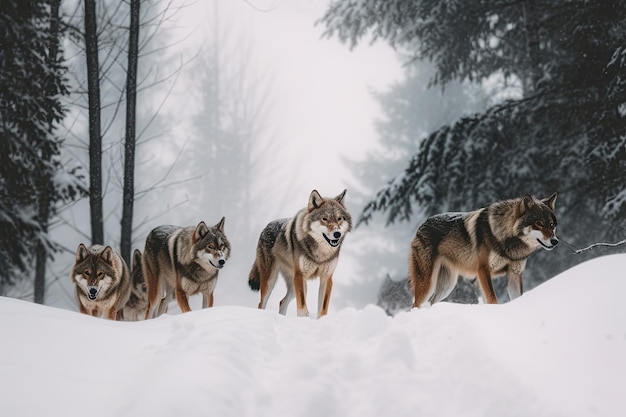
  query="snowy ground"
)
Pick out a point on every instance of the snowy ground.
point(559, 350)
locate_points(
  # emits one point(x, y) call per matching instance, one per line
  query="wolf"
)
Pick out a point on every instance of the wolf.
point(137, 304)
point(102, 281)
point(302, 247)
point(492, 241)
point(183, 261)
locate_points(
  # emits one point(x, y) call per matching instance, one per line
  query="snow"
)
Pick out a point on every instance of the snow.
point(559, 350)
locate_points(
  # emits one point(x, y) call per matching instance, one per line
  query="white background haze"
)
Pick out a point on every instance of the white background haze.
point(320, 110)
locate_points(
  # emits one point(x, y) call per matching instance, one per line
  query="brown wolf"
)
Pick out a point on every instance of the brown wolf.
point(183, 261)
point(102, 281)
point(301, 248)
point(137, 304)
point(489, 242)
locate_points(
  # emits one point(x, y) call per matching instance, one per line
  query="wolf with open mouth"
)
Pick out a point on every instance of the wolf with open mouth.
point(303, 247)
point(102, 281)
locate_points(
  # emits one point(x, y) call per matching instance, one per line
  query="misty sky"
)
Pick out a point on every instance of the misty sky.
point(322, 106)
point(320, 110)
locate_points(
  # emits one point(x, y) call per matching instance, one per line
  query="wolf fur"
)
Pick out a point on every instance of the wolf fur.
point(102, 281)
point(183, 261)
point(489, 242)
point(137, 304)
point(301, 248)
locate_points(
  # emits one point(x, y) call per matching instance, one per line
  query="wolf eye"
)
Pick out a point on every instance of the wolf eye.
point(339, 219)
point(86, 272)
point(551, 225)
point(211, 246)
point(324, 219)
point(539, 224)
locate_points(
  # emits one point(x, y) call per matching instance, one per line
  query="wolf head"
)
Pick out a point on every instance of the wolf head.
point(211, 245)
point(95, 269)
point(538, 221)
point(329, 217)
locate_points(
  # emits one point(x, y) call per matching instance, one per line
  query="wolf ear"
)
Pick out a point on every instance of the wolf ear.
point(315, 200)
point(340, 197)
point(550, 201)
point(107, 255)
point(526, 203)
point(220, 225)
point(136, 259)
point(200, 232)
point(81, 253)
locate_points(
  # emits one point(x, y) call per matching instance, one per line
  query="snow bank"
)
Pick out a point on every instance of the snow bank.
point(559, 350)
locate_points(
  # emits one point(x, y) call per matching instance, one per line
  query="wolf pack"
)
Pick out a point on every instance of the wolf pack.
point(179, 262)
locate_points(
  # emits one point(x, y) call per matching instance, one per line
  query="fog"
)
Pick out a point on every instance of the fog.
point(310, 105)
point(245, 106)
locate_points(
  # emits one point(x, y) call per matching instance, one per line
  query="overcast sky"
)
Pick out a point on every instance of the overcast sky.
point(322, 106)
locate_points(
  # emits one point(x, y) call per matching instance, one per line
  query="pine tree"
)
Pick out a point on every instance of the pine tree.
point(31, 83)
point(409, 110)
point(563, 132)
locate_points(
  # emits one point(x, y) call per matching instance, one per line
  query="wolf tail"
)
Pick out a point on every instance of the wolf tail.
point(254, 280)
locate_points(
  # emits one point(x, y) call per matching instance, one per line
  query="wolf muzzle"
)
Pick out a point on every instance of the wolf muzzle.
point(334, 241)
point(553, 242)
point(92, 293)
point(220, 263)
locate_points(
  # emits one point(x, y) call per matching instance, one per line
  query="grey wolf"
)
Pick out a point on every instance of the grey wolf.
point(302, 247)
point(183, 261)
point(102, 281)
point(137, 304)
point(486, 243)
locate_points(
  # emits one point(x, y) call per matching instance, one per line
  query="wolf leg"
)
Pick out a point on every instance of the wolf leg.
point(300, 289)
point(515, 286)
point(112, 313)
point(207, 300)
point(164, 302)
point(183, 302)
point(323, 297)
point(484, 279)
point(290, 295)
point(422, 275)
point(82, 309)
point(153, 287)
point(268, 280)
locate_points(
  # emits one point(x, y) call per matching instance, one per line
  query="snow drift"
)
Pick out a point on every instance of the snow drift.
point(559, 350)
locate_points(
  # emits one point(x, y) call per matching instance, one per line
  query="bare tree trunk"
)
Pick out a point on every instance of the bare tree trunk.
point(41, 252)
point(95, 136)
point(219, 201)
point(46, 187)
point(129, 145)
point(532, 43)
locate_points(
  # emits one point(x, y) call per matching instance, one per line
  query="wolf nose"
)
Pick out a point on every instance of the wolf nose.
point(337, 234)
point(221, 262)
point(93, 293)
point(554, 241)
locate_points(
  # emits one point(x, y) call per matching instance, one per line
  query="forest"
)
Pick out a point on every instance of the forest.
point(553, 116)
point(498, 98)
